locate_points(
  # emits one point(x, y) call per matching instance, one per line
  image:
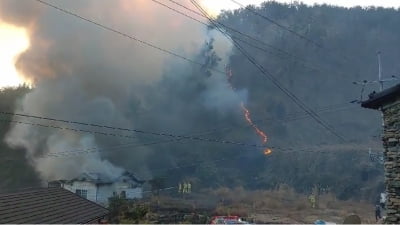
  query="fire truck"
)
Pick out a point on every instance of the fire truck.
point(227, 220)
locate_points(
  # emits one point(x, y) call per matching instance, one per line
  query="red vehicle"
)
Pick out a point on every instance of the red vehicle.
point(227, 220)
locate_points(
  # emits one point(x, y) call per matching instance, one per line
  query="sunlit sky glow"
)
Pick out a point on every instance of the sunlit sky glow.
point(13, 41)
point(215, 6)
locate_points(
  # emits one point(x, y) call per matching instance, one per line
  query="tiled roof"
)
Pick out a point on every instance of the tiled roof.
point(48, 205)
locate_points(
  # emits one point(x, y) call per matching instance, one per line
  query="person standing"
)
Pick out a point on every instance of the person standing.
point(180, 187)
point(312, 200)
point(382, 200)
point(378, 214)
point(189, 187)
point(185, 187)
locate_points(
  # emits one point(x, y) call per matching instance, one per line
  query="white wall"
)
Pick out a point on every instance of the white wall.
point(83, 185)
point(131, 192)
point(101, 193)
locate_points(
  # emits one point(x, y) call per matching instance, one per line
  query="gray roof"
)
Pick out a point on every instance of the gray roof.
point(48, 205)
point(382, 98)
point(96, 178)
point(130, 176)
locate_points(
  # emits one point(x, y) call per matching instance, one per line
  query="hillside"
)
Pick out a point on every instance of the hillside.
point(113, 83)
point(15, 171)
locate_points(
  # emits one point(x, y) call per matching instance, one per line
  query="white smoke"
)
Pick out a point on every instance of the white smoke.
point(84, 73)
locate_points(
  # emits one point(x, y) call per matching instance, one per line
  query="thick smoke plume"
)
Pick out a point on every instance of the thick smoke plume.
point(84, 73)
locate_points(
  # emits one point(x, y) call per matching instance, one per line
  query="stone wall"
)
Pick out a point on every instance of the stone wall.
point(391, 144)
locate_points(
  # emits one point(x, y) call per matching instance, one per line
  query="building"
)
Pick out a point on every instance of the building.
point(99, 188)
point(388, 101)
point(49, 206)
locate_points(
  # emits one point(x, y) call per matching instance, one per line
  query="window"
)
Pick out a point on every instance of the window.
point(82, 193)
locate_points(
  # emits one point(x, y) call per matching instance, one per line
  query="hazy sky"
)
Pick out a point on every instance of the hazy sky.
point(217, 5)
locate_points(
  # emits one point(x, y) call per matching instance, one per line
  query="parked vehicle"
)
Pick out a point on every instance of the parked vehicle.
point(227, 220)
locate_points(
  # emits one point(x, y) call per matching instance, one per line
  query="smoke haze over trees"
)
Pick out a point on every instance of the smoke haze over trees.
point(89, 75)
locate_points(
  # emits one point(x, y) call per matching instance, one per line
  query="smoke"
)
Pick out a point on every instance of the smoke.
point(84, 73)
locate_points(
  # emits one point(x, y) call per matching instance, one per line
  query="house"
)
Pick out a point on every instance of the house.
point(388, 102)
point(99, 188)
point(48, 206)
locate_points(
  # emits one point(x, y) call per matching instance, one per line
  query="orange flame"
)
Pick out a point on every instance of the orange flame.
point(247, 115)
point(248, 119)
point(267, 151)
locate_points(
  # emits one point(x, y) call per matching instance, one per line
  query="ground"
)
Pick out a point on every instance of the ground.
point(277, 206)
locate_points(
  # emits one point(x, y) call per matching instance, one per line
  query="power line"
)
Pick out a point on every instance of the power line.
point(278, 24)
point(297, 58)
point(224, 25)
point(162, 134)
point(166, 51)
point(126, 35)
point(319, 45)
point(294, 57)
point(119, 32)
point(272, 78)
point(231, 29)
point(67, 128)
point(135, 144)
point(287, 118)
point(294, 116)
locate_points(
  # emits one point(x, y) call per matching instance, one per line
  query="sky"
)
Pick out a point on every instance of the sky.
point(216, 5)
point(15, 39)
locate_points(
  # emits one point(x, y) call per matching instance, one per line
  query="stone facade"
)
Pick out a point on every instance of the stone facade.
point(391, 143)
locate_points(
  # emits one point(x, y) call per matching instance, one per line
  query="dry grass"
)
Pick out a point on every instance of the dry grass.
point(282, 205)
point(287, 206)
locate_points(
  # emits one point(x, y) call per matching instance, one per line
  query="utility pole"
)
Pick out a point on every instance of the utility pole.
point(380, 71)
point(380, 80)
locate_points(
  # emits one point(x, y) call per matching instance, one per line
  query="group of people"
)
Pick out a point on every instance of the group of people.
point(185, 187)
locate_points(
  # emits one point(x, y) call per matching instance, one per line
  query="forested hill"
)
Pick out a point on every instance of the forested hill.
point(337, 47)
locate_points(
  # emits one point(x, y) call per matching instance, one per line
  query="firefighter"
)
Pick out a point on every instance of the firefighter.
point(312, 200)
point(378, 214)
point(180, 187)
point(185, 188)
point(189, 187)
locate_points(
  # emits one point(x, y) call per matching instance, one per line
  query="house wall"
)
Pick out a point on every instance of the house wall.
point(391, 144)
point(131, 192)
point(100, 193)
point(82, 185)
point(105, 191)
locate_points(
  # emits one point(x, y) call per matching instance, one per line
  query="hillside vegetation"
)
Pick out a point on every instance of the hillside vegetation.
point(320, 73)
point(15, 170)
